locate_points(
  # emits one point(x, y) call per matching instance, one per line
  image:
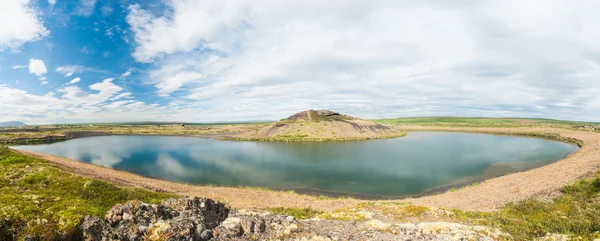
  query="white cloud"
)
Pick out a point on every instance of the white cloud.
point(43, 78)
point(75, 105)
point(44, 82)
point(173, 76)
point(85, 8)
point(127, 73)
point(106, 10)
point(20, 66)
point(24, 24)
point(69, 70)
point(126, 95)
point(105, 91)
point(374, 59)
point(74, 81)
point(52, 2)
point(37, 67)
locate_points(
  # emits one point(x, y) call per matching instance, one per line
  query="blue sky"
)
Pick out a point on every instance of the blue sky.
point(204, 61)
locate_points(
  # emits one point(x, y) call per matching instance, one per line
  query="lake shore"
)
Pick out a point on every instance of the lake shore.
point(542, 183)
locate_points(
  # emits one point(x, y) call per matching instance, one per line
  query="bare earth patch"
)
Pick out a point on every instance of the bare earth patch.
point(543, 182)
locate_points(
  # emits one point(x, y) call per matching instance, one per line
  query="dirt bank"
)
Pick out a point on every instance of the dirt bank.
point(542, 182)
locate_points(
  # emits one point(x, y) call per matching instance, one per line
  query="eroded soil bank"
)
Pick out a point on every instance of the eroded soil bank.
point(543, 182)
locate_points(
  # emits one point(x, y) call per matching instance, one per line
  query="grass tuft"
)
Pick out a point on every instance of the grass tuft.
point(299, 213)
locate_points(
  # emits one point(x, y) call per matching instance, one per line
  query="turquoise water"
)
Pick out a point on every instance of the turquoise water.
point(418, 163)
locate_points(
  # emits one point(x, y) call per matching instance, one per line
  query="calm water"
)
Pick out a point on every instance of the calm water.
point(417, 163)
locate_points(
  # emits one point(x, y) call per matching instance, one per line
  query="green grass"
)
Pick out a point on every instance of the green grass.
point(575, 213)
point(465, 187)
point(299, 213)
point(42, 201)
point(449, 120)
point(426, 120)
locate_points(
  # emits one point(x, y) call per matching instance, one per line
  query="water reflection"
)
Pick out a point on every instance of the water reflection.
point(418, 162)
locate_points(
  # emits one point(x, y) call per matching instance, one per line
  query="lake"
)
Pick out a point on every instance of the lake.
point(421, 162)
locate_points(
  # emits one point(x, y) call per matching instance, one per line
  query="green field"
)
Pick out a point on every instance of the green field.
point(477, 120)
point(41, 201)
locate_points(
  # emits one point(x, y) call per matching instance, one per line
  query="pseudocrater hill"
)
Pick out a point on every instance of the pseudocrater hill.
point(322, 125)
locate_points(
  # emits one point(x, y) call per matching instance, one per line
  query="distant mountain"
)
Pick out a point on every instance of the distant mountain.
point(11, 123)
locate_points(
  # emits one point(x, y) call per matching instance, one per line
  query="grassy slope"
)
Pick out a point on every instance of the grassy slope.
point(475, 120)
point(39, 200)
point(60, 130)
point(576, 213)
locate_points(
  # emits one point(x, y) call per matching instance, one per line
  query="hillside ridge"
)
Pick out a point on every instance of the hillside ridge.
point(12, 123)
point(322, 125)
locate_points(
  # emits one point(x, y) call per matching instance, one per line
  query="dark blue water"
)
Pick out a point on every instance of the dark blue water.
point(417, 163)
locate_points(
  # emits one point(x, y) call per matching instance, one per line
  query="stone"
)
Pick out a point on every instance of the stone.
point(259, 227)
point(248, 226)
point(92, 228)
point(181, 219)
point(404, 228)
point(554, 237)
point(142, 229)
point(207, 234)
point(379, 225)
point(201, 219)
point(231, 227)
point(292, 228)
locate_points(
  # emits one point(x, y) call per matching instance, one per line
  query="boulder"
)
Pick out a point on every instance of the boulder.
point(173, 219)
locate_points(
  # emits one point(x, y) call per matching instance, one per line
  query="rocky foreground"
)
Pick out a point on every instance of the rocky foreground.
point(205, 219)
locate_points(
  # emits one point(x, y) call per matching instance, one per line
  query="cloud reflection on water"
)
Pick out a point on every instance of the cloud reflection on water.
point(409, 165)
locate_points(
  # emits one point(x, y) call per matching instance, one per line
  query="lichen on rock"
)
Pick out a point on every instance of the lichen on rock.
point(198, 219)
point(173, 219)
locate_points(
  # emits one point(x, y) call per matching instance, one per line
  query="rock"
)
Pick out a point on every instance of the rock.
point(455, 231)
point(259, 227)
point(554, 237)
point(206, 234)
point(405, 229)
point(143, 229)
point(376, 224)
point(92, 228)
point(319, 238)
point(181, 219)
point(327, 113)
point(293, 228)
point(201, 219)
point(126, 216)
point(231, 227)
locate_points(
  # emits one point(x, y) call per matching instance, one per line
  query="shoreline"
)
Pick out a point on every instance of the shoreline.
point(219, 136)
point(542, 182)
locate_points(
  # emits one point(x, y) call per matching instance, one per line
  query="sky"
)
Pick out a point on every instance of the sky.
point(82, 61)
